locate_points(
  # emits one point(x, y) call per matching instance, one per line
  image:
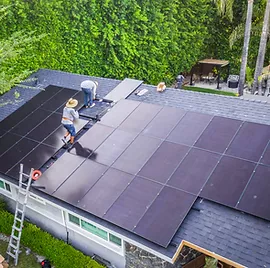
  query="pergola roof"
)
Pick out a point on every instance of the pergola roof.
point(221, 63)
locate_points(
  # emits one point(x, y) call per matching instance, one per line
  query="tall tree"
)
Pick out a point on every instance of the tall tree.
point(262, 48)
point(245, 48)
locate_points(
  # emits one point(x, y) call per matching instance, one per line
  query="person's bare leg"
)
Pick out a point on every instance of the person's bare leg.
point(66, 135)
point(72, 140)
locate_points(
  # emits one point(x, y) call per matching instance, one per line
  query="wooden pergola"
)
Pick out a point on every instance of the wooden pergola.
point(206, 66)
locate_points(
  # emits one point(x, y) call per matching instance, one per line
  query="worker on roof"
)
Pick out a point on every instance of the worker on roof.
point(89, 89)
point(69, 115)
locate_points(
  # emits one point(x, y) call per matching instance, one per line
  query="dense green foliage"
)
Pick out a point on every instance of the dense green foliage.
point(150, 40)
point(58, 252)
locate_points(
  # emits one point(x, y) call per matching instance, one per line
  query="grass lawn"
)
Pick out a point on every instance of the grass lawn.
point(212, 91)
point(28, 261)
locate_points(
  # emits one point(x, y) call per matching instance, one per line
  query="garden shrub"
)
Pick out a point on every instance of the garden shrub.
point(58, 252)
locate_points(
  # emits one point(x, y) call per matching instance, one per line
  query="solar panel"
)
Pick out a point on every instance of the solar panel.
point(194, 171)
point(250, 141)
point(16, 117)
point(78, 95)
point(58, 100)
point(218, 134)
point(162, 219)
point(53, 177)
point(113, 147)
point(45, 128)
point(136, 155)
point(164, 122)
point(116, 116)
point(189, 128)
point(256, 198)
point(84, 178)
point(164, 161)
point(35, 159)
point(30, 122)
point(132, 203)
point(228, 181)
point(43, 96)
point(140, 117)
point(266, 156)
point(91, 139)
point(11, 157)
point(105, 192)
point(2, 133)
point(7, 141)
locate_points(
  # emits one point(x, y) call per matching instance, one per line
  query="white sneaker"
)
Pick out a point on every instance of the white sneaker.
point(93, 104)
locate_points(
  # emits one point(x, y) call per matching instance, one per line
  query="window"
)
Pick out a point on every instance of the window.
point(116, 240)
point(5, 186)
point(94, 230)
point(74, 219)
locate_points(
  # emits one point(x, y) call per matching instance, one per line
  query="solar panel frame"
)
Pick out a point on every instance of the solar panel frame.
point(99, 198)
point(190, 127)
point(151, 225)
point(255, 198)
point(130, 206)
point(250, 141)
point(228, 181)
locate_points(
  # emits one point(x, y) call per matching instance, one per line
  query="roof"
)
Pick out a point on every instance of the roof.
point(248, 236)
point(221, 63)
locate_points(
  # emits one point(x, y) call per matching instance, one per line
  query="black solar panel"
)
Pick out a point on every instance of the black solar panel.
point(164, 122)
point(28, 127)
point(140, 117)
point(30, 122)
point(144, 164)
point(194, 171)
point(189, 128)
point(136, 155)
point(11, 157)
point(84, 178)
point(256, 198)
point(35, 159)
point(99, 198)
point(228, 181)
point(164, 161)
point(128, 209)
point(218, 134)
point(266, 156)
point(250, 141)
point(58, 100)
point(163, 218)
point(113, 147)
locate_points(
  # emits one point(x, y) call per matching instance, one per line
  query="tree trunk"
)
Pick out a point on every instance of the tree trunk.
point(263, 41)
point(267, 86)
point(245, 48)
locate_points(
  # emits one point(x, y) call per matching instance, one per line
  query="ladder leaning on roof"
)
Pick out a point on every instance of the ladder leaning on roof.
point(23, 191)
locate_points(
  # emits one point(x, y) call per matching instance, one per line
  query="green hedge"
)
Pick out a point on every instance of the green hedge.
point(58, 252)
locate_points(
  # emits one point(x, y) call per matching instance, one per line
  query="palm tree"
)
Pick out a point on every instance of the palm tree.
point(245, 48)
point(262, 48)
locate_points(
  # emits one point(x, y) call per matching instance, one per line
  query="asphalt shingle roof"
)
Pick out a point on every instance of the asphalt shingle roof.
point(237, 236)
point(232, 107)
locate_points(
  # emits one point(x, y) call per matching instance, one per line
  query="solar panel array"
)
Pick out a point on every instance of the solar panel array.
point(32, 134)
point(143, 166)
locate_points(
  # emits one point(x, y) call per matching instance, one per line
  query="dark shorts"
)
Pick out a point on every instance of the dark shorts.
point(70, 128)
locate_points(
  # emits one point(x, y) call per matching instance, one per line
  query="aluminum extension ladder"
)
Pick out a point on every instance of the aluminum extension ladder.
point(23, 193)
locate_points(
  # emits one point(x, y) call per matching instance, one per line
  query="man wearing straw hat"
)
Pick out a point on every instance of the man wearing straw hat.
point(89, 89)
point(69, 115)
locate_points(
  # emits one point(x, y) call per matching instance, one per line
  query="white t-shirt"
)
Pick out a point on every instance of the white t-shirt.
point(90, 85)
point(70, 114)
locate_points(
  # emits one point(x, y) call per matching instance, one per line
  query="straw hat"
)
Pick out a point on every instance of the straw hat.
point(71, 103)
